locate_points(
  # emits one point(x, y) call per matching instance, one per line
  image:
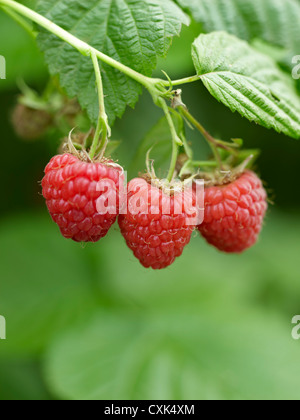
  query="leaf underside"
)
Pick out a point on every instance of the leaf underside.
point(133, 32)
point(248, 82)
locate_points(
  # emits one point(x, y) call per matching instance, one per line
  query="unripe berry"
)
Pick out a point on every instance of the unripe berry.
point(30, 124)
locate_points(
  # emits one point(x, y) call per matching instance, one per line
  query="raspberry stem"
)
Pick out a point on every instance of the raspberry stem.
point(210, 139)
point(184, 81)
point(176, 141)
point(181, 133)
point(103, 131)
point(205, 164)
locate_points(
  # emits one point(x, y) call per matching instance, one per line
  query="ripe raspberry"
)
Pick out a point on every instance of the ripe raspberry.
point(82, 198)
point(234, 214)
point(156, 226)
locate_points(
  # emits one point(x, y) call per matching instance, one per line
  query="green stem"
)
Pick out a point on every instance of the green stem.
point(182, 136)
point(205, 164)
point(211, 140)
point(176, 142)
point(182, 81)
point(103, 128)
point(84, 48)
point(187, 148)
point(227, 146)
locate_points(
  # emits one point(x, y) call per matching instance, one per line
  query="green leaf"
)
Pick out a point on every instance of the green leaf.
point(45, 284)
point(159, 141)
point(133, 32)
point(274, 21)
point(248, 82)
point(211, 353)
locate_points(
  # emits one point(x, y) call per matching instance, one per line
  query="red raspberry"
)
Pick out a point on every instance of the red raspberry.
point(234, 214)
point(156, 226)
point(82, 198)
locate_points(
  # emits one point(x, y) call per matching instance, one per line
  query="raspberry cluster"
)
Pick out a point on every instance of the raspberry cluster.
point(85, 199)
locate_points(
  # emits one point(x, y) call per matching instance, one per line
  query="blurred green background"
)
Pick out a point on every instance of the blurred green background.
point(90, 323)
